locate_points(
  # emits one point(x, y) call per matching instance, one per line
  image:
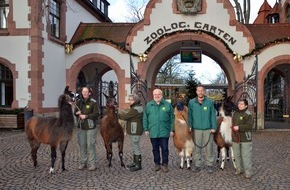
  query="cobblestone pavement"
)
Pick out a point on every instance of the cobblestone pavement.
point(271, 151)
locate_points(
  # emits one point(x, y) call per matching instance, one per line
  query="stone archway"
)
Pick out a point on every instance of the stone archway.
point(110, 64)
point(172, 44)
point(281, 64)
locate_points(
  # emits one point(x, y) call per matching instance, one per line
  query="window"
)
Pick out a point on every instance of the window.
point(6, 86)
point(54, 18)
point(101, 5)
point(4, 10)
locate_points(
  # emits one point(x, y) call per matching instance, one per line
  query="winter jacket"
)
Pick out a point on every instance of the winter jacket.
point(134, 120)
point(244, 119)
point(87, 107)
point(201, 116)
point(158, 119)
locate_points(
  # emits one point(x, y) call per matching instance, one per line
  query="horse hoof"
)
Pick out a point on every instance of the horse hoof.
point(180, 167)
point(222, 169)
point(189, 168)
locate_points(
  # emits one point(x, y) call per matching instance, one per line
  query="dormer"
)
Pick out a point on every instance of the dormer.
point(263, 13)
point(273, 16)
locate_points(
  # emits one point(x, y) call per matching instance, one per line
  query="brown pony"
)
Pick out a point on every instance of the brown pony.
point(182, 135)
point(112, 131)
point(52, 130)
point(223, 134)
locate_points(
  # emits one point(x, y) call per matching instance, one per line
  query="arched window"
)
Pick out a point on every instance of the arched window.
point(6, 86)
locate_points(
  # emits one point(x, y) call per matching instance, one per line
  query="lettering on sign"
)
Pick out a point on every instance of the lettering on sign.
point(196, 25)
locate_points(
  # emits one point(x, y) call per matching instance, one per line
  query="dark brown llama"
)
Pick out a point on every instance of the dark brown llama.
point(52, 130)
point(112, 131)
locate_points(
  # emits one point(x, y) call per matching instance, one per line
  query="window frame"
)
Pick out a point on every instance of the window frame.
point(55, 18)
point(4, 6)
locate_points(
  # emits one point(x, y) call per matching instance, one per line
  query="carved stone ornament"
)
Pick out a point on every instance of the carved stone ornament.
point(189, 6)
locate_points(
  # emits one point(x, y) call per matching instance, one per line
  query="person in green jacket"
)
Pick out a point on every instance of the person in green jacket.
point(134, 129)
point(158, 124)
point(87, 114)
point(242, 126)
point(202, 120)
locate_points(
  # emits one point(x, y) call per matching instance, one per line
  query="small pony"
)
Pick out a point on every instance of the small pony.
point(223, 134)
point(52, 130)
point(112, 131)
point(182, 135)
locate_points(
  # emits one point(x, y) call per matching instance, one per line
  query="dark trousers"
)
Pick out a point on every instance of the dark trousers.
point(158, 143)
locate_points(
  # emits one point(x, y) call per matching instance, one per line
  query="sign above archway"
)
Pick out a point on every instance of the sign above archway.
point(198, 17)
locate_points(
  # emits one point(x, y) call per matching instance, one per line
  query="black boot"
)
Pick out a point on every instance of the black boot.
point(132, 164)
point(138, 162)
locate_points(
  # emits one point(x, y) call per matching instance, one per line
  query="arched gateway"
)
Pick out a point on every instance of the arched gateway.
point(137, 51)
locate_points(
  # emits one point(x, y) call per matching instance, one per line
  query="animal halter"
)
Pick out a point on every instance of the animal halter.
point(110, 106)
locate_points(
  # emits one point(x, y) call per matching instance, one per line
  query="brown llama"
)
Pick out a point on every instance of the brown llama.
point(182, 135)
point(223, 134)
point(52, 130)
point(112, 131)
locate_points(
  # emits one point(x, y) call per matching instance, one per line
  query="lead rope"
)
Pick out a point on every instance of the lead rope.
point(201, 147)
point(236, 136)
point(80, 121)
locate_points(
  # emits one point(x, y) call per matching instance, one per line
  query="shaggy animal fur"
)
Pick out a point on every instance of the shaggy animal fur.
point(112, 131)
point(182, 135)
point(223, 135)
point(52, 130)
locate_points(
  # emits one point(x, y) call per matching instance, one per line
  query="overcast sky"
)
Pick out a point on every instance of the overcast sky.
point(118, 11)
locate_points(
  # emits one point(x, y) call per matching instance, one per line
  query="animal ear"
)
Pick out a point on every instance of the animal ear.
point(105, 95)
point(114, 95)
point(66, 90)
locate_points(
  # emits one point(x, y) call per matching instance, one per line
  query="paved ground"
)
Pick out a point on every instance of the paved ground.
point(271, 167)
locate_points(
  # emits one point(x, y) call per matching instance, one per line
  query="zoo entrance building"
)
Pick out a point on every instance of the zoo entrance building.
point(48, 44)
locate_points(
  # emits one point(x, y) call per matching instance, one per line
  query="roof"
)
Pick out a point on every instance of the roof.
point(263, 33)
point(274, 10)
point(117, 33)
point(263, 12)
point(114, 32)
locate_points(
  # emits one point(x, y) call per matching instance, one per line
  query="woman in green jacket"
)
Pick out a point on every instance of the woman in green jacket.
point(242, 125)
point(134, 129)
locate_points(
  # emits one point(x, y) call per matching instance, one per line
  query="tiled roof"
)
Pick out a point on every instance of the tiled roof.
point(115, 32)
point(263, 12)
point(263, 33)
point(275, 9)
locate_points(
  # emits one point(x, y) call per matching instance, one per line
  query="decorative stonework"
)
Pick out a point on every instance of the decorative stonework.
point(189, 6)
